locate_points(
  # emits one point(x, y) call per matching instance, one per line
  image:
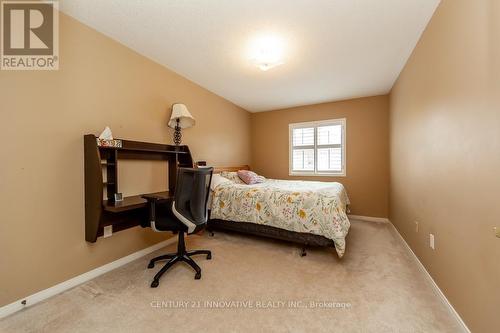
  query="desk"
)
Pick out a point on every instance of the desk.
point(100, 211)
point(132, 202)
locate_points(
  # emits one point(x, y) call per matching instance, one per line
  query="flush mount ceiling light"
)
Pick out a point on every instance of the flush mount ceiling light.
point(266, 51)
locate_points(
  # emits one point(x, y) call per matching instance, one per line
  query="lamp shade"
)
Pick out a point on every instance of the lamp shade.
point(180, 111)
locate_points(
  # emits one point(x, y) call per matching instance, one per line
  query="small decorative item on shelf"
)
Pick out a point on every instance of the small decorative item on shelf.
point(118, 197)
point(109, 143)
point(180, 118)
point(202, 164)
point(106, 139)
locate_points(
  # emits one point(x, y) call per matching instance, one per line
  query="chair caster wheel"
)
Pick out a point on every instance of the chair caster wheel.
point(151, 265)
point(209, 256)
point(197, 276)
point(155, 284)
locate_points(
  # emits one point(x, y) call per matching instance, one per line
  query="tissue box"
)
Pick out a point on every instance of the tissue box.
point(109, 143)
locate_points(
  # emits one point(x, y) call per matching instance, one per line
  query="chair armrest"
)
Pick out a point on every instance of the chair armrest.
point(153, 197)
point(153, 200)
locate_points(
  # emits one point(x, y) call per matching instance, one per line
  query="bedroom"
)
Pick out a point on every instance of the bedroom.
point(406, 93)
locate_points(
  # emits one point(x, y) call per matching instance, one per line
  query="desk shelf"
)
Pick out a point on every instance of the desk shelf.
point(99, 211)
point(146, 150)
point(132, 202)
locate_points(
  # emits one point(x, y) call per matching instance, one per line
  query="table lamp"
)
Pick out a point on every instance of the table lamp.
point(180, 118)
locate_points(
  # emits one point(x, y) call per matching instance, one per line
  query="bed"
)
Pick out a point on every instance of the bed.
point(304, 212)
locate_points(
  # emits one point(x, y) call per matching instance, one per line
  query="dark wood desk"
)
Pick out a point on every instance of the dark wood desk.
point(132, 202)
point(101, 211)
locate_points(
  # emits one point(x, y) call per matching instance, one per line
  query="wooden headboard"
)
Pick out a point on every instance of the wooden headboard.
point(232, 168)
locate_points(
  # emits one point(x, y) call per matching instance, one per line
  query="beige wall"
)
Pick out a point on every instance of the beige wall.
point(367, 119)
point(445, 156)
point(43, 118)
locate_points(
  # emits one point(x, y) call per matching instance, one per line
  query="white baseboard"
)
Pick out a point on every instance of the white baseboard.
point(369, 218)
point(434, 284)
point(77, 280)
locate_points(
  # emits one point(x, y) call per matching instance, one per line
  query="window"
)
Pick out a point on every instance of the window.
point(318, 148)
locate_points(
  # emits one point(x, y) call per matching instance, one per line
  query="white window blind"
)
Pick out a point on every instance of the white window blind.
point(318, 148)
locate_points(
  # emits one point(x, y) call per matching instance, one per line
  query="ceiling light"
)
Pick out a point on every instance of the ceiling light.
point(266, 51)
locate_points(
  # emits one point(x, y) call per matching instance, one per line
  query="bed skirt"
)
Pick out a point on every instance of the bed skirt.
point(270, 232)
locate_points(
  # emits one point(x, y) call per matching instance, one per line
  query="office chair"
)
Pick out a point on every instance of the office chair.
point(186, 213)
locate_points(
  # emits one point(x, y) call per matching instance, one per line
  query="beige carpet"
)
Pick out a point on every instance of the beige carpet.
point(376, 287)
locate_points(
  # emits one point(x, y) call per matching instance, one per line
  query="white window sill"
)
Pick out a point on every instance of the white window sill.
point(317, 174)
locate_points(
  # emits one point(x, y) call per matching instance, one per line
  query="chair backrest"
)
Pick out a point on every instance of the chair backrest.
point(191, 194)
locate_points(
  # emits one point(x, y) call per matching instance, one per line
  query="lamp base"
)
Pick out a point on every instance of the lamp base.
point(177, 136)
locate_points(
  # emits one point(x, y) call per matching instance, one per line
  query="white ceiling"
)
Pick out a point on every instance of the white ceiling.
point(336, 49)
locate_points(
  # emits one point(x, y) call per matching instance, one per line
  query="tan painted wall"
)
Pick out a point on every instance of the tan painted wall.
point(367, 180)
point(42, 121)
point(445, 156)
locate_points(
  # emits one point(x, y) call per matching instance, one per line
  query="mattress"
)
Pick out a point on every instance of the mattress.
point(317, 208)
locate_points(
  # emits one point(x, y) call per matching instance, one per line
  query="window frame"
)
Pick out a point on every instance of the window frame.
point(316, 147)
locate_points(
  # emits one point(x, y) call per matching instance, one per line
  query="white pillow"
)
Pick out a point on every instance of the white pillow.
point(217, 180)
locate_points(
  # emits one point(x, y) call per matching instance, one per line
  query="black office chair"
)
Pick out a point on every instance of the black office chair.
point(187, 213)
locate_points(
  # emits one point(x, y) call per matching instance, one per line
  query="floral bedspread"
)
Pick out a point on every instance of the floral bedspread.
point(301, 206)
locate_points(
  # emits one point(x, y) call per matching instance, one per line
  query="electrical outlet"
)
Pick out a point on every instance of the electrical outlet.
point(416, 226)
point(431, 241)
point(108, 231)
